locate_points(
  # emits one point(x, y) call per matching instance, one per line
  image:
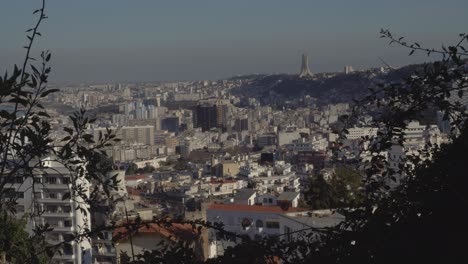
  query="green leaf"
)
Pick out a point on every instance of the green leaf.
point(68, 130)
point(35, 69)
point(88, 138)
point(66, 196)
point(44, 114)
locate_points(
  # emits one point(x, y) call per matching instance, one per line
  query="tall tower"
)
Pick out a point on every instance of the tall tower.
point(305, 72)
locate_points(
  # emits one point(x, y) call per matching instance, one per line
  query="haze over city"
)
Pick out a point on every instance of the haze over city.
point(99, 41)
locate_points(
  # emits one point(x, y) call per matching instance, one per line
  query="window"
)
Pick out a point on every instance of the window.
point(259, 223)
point(51, 208)
point(272, 224)
point(265, 200)
point(51, 180)
point(66, 209)
point(67, 223)
point(52, 195)
point(53, 222)
point(68, 237)
point(37, 180)
point(20, 195)
point(66, 180)
point(19, 179)
point(9, 192)
point(67, 249)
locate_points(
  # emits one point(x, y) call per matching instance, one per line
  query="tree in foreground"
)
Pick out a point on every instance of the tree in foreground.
point(27, 141)
point(342, 188)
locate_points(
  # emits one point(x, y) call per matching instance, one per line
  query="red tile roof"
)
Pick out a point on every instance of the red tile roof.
point(174, 232)
point(253, 208)
point(134, 191)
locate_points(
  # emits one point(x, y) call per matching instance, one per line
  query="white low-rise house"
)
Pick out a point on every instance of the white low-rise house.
point(288, 136)
point(300, 145)
point(319, 143)
point(277, 183)
point(292, 223)
point(282, 168)
point(154, 162)
point(288, 199)
point(259, 221)
point(316, 143)
point(222, 187)
point(251, 170)
point(267, 199)
point(246, 197)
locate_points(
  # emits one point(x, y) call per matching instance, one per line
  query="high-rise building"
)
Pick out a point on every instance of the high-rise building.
point(222, 115)
point(204, 116)
point(305, 72)
point(210, 114)
point(241, 124)
point(348, 69)
point(171, 124)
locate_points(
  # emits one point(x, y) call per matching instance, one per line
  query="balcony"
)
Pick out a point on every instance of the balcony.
point(57, 214)
point(62, 228)
point(104, 251)
point(56, 186)
point(54, 240)
point(57, 199)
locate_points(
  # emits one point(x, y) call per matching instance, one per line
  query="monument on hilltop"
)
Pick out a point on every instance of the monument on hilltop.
point(305, 72)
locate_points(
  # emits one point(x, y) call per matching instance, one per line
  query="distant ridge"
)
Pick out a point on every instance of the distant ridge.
point(339, 87)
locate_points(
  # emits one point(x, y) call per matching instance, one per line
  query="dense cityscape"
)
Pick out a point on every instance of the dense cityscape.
point(198, 150)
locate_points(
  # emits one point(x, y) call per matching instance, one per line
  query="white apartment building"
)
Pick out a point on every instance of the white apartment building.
point(359, 132)
point(130, 134)
point(251, 170)
point(51, 184)
point(288, 136)
point(414, 135)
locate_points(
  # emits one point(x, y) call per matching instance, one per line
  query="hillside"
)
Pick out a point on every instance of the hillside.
point(327, 88)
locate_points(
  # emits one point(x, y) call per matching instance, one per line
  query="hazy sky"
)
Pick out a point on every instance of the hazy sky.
point(145, 40)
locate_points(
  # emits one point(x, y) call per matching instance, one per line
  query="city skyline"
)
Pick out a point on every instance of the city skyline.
point(151, 41)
